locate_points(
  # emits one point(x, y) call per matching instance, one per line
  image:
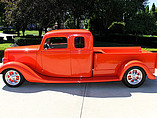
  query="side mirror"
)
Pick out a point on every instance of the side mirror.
point(46, 46)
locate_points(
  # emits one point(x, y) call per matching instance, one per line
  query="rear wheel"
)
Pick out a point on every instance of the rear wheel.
point(134, 77)
point(13, 78)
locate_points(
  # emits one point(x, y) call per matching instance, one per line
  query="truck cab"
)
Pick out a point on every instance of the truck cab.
point(66, 53)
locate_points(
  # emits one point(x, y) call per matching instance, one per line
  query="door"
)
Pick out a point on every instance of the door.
point(81, 56)
point(56, 57)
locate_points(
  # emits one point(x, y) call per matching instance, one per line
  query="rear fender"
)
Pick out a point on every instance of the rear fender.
point(27, 72)
point(133, 63)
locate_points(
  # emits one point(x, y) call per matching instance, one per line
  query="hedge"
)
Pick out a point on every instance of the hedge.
point(128, 39)
point(1, 55)
point(27, 41)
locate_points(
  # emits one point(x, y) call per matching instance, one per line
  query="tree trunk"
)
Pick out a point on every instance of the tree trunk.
point(59, 24)
point(136, 39)
point(23, 30)
point(23, 33)
point(78, 23)
point(17, 29)
point(40, 32)
point(45, 29)
point(18, 32)
point(74, 23)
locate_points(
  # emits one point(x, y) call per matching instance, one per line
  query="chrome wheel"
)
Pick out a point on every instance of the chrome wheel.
point(12, 77)
point(134, 76)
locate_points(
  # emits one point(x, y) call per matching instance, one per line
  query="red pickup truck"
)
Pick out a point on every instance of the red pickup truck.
point(68, 56)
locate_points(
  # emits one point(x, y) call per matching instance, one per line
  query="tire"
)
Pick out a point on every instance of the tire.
point(134, 77)
point(13, 78)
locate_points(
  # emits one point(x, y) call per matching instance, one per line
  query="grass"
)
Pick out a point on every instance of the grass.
point(4, 46)
point(150, 49)
point(17, 38)
point(147, 36)
point(30, 32)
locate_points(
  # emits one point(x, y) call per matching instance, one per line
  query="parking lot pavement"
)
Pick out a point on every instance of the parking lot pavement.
point(90, 100)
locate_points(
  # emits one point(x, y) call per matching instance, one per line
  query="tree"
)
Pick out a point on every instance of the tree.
point(23, 12)
point(45, 13)
point(152, 11)
point(141, 24)
point(147, 9)
point(156, 14)
point(2, 14)
point(13, 15)
point(78, 10)
point(2, 6)
point(109, 11)
point(105, 13)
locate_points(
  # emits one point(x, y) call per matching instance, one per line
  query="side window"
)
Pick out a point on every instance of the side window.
point(79, 42)
point(56, 42)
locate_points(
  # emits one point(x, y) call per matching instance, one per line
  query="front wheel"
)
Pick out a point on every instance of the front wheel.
point(13, 78)
point(134, 77)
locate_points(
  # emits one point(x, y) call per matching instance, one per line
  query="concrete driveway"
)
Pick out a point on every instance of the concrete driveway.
point(90, 100)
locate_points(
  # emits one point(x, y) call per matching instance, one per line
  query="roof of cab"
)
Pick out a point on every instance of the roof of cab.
point(68, 31)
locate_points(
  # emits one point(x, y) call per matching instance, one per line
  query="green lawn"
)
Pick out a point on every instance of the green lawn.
point(150, 49)
point(147, 36)
point(29, 32)
point(4, 46)
point(32, 32)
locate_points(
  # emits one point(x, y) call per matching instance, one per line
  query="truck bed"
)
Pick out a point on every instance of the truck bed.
point(107, 60)
point(121, 50)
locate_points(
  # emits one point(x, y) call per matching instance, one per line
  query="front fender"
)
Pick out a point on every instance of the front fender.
point(133, 63)
point(27, 72)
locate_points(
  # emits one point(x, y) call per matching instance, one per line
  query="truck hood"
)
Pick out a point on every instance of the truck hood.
point(22, 54)
point(24, 48)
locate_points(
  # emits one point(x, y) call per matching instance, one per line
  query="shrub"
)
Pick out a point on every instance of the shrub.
point(1, 55)
point(9, 32)
point(28, 41)
point(117, 27)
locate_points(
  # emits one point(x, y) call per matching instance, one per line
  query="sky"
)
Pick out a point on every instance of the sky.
point(150, 2)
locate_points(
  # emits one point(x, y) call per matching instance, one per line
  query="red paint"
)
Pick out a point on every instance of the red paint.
point(11, 73)
point(76, 65)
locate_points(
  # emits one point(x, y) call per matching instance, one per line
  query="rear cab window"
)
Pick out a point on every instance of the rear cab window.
point(79, 42)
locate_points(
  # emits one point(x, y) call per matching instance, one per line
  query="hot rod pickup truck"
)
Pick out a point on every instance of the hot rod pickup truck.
point(68, 56)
